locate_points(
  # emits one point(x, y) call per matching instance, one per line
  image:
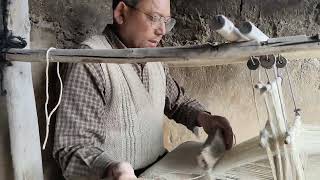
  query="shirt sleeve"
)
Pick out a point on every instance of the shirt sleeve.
point(179, 106)
point(79, 129)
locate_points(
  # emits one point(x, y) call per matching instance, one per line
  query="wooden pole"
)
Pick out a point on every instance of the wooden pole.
point(20, 100)
point(296, 47)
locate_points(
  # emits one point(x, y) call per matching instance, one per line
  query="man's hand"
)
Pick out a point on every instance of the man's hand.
point(211, 123)
point(121, 171)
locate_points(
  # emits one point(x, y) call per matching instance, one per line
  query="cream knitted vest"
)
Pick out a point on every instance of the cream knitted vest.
point(134, 128)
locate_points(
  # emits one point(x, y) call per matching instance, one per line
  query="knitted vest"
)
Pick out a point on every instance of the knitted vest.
point(134, 128)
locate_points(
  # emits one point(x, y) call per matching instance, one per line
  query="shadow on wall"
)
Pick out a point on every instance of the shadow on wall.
point(73, 20)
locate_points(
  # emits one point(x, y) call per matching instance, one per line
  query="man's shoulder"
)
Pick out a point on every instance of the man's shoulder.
point(92, 69)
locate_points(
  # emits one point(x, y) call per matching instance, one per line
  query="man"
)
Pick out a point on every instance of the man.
point(109, 123)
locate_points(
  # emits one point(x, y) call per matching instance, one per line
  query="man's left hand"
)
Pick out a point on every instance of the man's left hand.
point(211, 123)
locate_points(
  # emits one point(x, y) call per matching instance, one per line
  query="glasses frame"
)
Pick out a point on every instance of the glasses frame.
point(167, 20)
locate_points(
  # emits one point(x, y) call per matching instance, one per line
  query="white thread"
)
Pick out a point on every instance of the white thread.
point(182, 173)
point(259, 74)
point(255, 100)
point(280, 99)
point(48, 117)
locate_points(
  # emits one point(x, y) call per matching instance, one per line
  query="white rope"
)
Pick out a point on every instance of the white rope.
point(283, 113)
point(266, 72)
point(259, 74)
point(274, 131)
point(264, 140)
point(48, 117)
point(295, 153)
point(291, 90)
point(264, 132)
point(255, 101)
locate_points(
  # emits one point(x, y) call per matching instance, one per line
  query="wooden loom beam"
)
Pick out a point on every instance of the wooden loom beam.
point(207, 54)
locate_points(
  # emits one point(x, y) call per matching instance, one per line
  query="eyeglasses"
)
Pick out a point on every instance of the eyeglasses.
point(157, 20)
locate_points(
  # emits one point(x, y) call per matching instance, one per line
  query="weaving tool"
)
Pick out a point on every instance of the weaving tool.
point(212, 150)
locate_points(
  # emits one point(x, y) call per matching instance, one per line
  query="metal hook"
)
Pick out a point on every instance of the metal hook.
point(253, 63)
point(281, 61)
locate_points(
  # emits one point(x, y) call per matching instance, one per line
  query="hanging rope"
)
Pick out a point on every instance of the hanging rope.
point(281, 99)
point(255, 101)
point(48, 117)
point(291, 90)
point(266, 72)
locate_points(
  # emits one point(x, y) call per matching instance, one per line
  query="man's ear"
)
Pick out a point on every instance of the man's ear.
point(119, 13)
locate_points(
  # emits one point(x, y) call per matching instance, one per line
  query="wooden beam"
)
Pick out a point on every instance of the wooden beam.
point(300, 47)
point(20, 101)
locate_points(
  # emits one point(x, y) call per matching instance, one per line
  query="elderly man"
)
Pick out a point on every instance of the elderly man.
point(110, 120)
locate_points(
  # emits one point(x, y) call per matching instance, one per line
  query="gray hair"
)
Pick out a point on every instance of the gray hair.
point(129, 2)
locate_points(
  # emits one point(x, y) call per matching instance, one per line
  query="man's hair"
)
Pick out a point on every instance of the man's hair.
point(129, 2)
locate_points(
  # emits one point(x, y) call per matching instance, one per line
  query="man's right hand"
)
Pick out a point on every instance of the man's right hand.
point(211, 123)
point(121, 171)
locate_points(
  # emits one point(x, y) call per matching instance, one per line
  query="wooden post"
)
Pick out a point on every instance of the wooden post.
point(20, 101)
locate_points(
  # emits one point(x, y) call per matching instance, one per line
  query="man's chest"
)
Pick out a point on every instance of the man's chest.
point(143, 74)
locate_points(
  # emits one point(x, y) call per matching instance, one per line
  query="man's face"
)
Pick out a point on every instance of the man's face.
point(135, 27)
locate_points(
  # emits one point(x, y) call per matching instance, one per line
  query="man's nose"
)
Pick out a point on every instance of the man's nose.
point(161, 30)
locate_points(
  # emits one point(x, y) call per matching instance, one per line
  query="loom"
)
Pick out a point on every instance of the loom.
point(284, 150)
